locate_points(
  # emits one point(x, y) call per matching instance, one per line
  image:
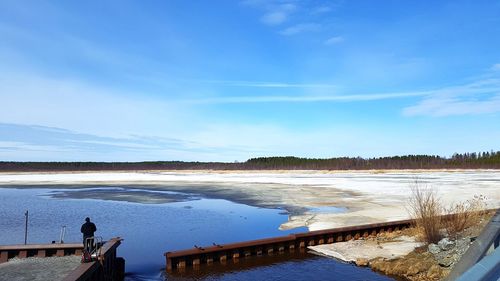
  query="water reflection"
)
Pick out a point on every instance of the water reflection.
point(285, 266)
point(149, 230)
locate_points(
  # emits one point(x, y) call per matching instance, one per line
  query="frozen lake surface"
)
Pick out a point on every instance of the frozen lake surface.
point(308, 196)
point(158, 211)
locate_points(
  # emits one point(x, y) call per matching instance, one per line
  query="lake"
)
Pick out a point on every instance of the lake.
point(152, 222)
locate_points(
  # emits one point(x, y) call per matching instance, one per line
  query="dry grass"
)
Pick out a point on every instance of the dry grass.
point(463, 215)
point(425, 207)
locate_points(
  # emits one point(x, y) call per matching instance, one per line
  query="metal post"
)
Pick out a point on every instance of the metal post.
point(63, 232)
point(26, 227)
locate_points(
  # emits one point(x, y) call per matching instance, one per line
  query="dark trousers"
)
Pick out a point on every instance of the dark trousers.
point(88, 243)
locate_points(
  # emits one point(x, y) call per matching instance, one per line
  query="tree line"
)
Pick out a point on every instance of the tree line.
point(481, 160)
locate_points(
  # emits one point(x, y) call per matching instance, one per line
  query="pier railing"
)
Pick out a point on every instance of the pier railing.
point(107, 267)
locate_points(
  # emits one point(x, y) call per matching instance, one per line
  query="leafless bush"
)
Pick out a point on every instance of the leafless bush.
point(426, 209)
point(463, 215)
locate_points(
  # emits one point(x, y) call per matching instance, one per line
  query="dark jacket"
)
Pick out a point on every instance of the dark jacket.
point(88, 229)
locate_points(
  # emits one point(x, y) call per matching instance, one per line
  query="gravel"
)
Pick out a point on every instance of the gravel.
point(38, 269)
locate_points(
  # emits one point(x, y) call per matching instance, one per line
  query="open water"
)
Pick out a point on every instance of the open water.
point(153, 222)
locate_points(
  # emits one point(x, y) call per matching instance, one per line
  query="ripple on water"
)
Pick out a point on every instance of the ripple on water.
point(150, 230)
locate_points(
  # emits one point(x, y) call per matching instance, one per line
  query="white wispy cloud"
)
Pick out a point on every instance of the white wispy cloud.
point(479, 97)
point(265, 84)
point(28, 99)
point(454, 106)
point(274, 18)
point(321, 10)
point(300, 28)
point(495, 67)
point(275, 12)
point(334, 40)
point(332, 98)
point(278, 14)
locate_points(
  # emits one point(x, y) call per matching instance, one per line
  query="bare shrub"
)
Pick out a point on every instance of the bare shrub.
point(463, 215)
point(426, 209)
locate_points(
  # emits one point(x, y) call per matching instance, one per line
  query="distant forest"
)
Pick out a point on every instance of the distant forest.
point(484, 160)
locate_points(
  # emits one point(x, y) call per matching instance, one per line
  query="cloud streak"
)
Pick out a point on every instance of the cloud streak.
point(44, 136)
point(275, 12)
point(33, 140)
point(298, 99)
point(264, 84)
point(334, 40)
point(274, 18)
point(300, 28)
point(479, 97)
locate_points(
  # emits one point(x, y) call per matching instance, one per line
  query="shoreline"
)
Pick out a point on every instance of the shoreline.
point(236, 171)
point(368, 196)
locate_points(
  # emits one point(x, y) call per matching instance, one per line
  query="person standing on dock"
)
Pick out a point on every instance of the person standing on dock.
point(88, 229)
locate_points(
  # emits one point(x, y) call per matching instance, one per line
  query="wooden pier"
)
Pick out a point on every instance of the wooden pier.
point(39, 250)
point(107, 266)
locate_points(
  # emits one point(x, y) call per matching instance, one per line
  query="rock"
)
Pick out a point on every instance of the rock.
point(434, 249)
point(445, 244)
point(447, 261)
point(417, 267)
point(434, 273)
point(362, 262)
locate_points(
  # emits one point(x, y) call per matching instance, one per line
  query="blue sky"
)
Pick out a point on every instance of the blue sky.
point(231, 80)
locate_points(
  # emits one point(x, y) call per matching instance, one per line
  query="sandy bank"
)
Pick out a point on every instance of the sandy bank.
point(369, 196)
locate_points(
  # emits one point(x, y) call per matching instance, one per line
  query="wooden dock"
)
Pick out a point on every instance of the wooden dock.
point(39, 250)
point(107, 266)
